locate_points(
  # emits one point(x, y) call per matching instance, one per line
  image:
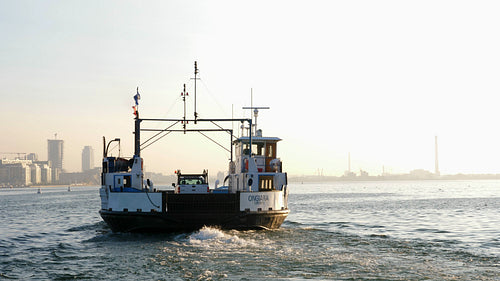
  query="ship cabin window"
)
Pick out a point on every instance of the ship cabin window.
point(266, 183)
point(257, 149)
point(127, 181)
point(271, 149)
point(104, 167)
point(270, 155)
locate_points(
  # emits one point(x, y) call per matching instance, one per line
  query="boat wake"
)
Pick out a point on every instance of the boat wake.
point(210, 236)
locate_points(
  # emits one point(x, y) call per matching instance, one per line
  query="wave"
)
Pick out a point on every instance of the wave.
point(210, 236)
point(99, 226)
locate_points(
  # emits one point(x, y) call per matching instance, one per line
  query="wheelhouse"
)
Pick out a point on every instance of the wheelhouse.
point(263, 149)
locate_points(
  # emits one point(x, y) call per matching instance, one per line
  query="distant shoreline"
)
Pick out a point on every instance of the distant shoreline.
point(312, 179)
point(404, 177)
point(48, 185)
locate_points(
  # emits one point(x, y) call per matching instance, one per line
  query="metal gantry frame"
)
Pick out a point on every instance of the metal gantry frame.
point(168, 130)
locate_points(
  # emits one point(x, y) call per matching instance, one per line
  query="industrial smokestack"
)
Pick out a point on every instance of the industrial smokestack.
point(436, 164)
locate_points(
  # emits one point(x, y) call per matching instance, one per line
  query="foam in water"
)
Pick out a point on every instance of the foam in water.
point(206, 233)
point(209, 236)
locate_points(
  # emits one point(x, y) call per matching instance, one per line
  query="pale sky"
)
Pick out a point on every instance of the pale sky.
point(378, 79)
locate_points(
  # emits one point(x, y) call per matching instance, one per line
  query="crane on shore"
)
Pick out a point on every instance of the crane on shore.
point(14, 153)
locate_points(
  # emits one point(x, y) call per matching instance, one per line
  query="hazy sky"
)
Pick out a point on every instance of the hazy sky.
point(378, 79)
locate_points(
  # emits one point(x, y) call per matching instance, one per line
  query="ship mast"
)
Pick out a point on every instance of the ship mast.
point(186, 121)
point(137, 135)
point(195, 78)
point(184, 94)
point(137, 132)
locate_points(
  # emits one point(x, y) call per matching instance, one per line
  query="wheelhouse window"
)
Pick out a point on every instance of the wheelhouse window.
point(257, 149)
point(266, 183)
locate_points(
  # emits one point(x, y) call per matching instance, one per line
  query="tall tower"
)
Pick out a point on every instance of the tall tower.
point(436, 164)
point(55, 156)
point(349, 162)
point(87, 158)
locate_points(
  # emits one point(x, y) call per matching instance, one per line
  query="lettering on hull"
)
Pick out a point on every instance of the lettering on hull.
point(258, 199)
point(261, 201)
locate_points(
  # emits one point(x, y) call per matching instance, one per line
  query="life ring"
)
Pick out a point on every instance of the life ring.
point(246, 164)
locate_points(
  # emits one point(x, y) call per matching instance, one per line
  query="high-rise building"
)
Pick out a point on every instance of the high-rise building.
point(32, 157)
point(36, 174)
point(87, 158)
point(15, 172)
point(46, 171)
point(55, 157)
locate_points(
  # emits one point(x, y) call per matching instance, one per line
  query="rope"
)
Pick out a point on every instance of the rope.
point(142, 148)
point(151, 200)
point(215, 142)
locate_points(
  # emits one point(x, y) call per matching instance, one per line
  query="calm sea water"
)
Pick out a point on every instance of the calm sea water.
point(427, 230)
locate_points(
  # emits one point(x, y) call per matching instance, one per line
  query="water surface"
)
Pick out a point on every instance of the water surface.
point(407, 230)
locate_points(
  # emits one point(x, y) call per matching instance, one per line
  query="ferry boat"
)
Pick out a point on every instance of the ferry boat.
point(254, 194)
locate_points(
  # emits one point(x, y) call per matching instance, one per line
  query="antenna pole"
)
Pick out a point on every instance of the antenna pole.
point(251, 99)
point(137, 136)
point(251, 105)
point(184, 94)
point(195, 78)
point(104, 152)
point(255, 114)
point(232, 123)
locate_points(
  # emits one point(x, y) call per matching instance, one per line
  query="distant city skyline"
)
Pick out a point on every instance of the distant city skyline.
point(56, 149)
point(55, 152)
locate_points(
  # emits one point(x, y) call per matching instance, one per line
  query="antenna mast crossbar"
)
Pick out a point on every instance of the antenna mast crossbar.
point(187, 130)
point(200, 120)
point(255, 114)
point(256, 107)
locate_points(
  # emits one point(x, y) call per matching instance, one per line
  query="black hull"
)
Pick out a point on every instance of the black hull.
point(166, 222)
point(187, 212)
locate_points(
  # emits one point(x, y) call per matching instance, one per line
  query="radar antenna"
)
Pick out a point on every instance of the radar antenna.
point(255, 113)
